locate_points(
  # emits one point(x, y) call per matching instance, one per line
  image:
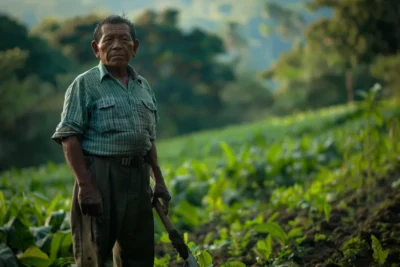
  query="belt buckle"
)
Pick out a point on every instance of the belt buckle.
point(126, 161)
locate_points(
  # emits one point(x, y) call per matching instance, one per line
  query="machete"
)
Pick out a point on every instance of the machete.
point(176, 238)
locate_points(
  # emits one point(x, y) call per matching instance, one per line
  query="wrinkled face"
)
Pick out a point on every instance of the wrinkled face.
point(116, 47)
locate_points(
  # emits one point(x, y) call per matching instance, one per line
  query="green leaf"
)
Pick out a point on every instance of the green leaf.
point(56, 245)
point(327, 210)
point(34, 257)
point(268, 244)
point(3, 235)
point(273, 217)
point(164, 238)
point(7, 257)
point(19, 235)
point(229, 154)
point(233, 264)
point(274, 229)
point(204, 258)
point(41, 197)
point(379, 255)
point(66, 244)
point(3, 209)
point(53, 205)
point(63, 262)
point(40, 232)
point(55, 220)
point(295, 232)
point(378, 119)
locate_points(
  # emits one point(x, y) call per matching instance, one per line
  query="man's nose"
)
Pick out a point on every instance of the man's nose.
point(116, 44)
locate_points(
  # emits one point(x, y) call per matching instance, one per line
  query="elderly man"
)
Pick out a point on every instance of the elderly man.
point(108, 132)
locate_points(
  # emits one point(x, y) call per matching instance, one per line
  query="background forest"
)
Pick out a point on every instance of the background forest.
point(314, 54)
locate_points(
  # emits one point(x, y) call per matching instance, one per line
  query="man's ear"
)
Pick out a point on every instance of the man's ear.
point(135, 47)
point(95, 48)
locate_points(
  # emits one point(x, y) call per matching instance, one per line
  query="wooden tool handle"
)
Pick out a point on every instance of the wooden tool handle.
point(164, 218)
point(158, 206)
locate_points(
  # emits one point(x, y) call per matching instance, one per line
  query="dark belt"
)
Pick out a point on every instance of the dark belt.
point(129, 161)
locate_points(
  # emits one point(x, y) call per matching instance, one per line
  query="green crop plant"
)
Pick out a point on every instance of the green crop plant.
point(224, 183)
point(379, 254)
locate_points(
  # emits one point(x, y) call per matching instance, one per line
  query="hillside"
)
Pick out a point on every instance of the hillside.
point(282, 192)
point(209, 15)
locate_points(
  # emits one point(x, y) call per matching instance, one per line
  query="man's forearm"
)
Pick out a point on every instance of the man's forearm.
point(74, 157)
point(153, 161)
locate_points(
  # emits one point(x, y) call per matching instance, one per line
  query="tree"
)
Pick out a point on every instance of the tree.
point(357, 32)
point(44, 60)
point(337, 52)
point(19, 100)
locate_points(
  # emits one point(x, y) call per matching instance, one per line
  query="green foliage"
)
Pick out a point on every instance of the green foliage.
point(319, 237)
point(301, 163)
point(379, 255)
point(44, 60)
point(352, 248)
point(204, 259)
point(7, 256)
point(264, 248)
point(341, 53)
point(384, 69)
point(274, 230)
point(233, 264)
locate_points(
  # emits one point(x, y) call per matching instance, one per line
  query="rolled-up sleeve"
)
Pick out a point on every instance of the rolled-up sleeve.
point(74, 116)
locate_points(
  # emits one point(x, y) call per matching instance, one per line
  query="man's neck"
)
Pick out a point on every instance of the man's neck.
point(118, 72)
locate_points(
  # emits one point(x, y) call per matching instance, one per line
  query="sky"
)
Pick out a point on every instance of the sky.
point(31, 11)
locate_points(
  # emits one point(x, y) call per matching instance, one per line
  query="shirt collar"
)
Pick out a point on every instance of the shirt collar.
point(104, 72)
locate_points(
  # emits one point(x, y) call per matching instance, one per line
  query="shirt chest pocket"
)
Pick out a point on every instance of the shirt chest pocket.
point(109, 116)
point(147, 112)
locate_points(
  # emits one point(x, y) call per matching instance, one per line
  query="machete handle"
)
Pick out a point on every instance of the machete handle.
point(164, 218)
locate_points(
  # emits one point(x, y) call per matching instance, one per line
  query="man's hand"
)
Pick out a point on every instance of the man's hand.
point(161, 191)
point(89, 199)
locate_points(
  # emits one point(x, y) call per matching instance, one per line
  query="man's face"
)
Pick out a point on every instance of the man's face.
point(116, 47)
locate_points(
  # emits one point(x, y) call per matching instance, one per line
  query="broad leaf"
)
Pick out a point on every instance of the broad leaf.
point(19, 236)
point(55, 220)
point(7, 257)
point(274, 229)
point(204, 259)
point(34, 257)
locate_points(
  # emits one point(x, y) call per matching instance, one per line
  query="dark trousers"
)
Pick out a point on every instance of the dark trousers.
point(126, 228)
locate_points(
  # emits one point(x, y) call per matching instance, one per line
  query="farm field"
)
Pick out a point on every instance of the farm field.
point(312, 189)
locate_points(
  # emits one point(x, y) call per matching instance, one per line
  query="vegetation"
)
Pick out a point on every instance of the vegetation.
point(291, 199)
point(198, 74)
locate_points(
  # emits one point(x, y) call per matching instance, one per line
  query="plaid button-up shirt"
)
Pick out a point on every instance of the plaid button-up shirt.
point(111, 119)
